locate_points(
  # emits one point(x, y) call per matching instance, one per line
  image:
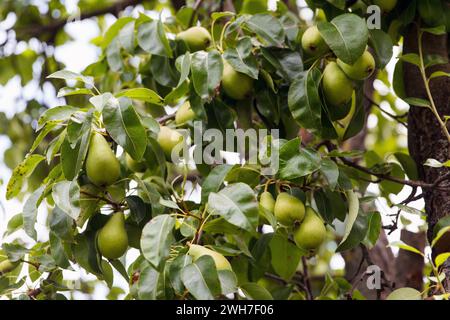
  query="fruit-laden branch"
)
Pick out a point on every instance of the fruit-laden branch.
point(52, 28)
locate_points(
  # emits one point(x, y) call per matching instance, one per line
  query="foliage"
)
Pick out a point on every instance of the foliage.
point(143, 71)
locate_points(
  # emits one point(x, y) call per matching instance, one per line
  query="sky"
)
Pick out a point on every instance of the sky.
point(76, 55)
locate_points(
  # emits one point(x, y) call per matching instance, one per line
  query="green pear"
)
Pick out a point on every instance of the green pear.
point(267, 202)
point(313, 43)
point(184, 114)
point(102, 166)
point(361, 69)
point(288, 209)
point(385, 5)
point(133, 165)
point(312, 232)
point(195, 38)
point(337, 87)
point(112, 239)
point(236, 85)
point(168, 139)
point(8, 266)
point(196, 251)
point(253, 6)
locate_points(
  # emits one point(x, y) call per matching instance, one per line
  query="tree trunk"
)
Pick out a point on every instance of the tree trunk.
point(425, 137)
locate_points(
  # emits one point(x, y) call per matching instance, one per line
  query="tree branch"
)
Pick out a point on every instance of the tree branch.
point(52, 28)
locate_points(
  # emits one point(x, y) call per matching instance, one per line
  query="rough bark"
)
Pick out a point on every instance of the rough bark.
point(409, 266)
point(425, 137)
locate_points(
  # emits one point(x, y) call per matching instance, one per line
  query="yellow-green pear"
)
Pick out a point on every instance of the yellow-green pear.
point(266, 201)
point(102, 166)
point(133, 165)
point(313, 43)
point(385, 5)
point(112, 239)
point(184, 113)
point(236, 85)
point(312, 232)
point(195, 38)
point(8, 266)
point(337, 87)
point(361, 69)
point(288, 209)
point(196, 251)
point(168, 138)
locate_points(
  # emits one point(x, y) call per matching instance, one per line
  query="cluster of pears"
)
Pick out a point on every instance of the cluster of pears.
point(309, 230)
point(235, 84)
point(196, 251)
point(338, 77)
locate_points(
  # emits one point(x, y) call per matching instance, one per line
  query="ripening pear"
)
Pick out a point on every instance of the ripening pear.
point(361, 69)
point(196, 251)
point(311, 232)
point(253, 6)
point(236, 85)
point(8, 266)
point(102, 166)
point(168, 138)
point(266, 201)
point(337, 87)
point(385, 5)
point(313, 43)
point(133, 165)
point(112, 239)
point(184, 113)
point(288, 209)
point(195, 38)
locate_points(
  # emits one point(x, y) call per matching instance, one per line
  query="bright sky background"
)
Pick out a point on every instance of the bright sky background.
point(76, 55)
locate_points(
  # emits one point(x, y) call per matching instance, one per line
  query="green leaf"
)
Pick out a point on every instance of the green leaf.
point(114, 30)
point(408, 165)
point(330, 170)
point(439, 30)
point(85, 253)
point(439, 235)
point(142, 94)
point(22, 171)
point(406, 247)
point(295, 163)
point(201, 278)
point(156, 239)
point(353, 209)
point(417, 102)
point(433, 163)
point(66, 195)
point(69, 75)
point(72, 157)
point(412, 58)
point(382, 45)
point(437, 74)
point(304, 100)
point(125, 127)
point(254, 291)
point(206, 68)
point(287, 64)
point(184, 63)
point(357, 234)
point(440, 259)
point(148, 284)
point(61, 113)
point(214, 180)
point(374, 228)
point(67, 91)
point(30, 212)
point(237, 204)
point(242, 59)
point(228, 281)
point(341, 37)
point(267, 27)
point(285, 256)
point(152, 38)
point(175, 272)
